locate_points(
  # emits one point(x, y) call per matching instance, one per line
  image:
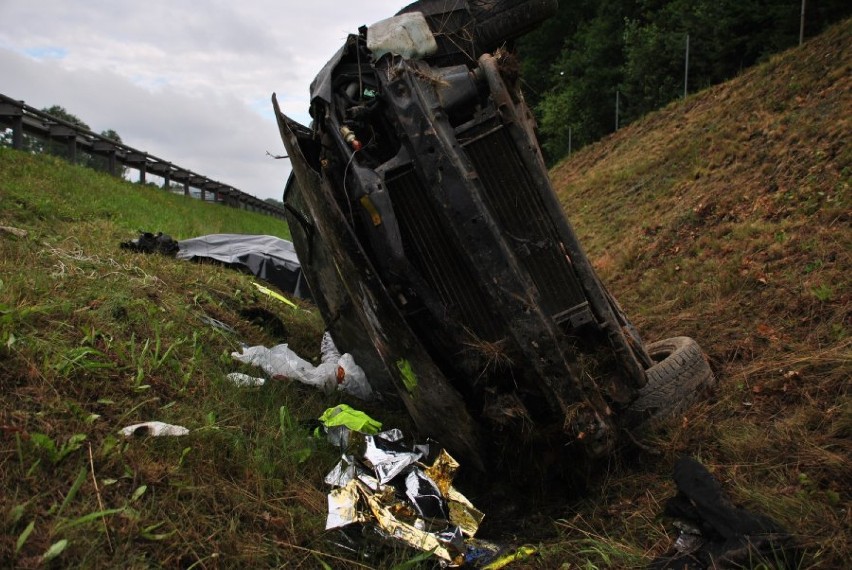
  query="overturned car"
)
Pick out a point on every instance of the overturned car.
point(438, 254)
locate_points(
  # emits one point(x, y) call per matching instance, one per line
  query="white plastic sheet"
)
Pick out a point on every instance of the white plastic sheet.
point(154, 429)
point(244, 380)
point(336, 371)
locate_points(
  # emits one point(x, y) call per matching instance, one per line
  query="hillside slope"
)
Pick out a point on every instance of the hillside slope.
point(726, 217)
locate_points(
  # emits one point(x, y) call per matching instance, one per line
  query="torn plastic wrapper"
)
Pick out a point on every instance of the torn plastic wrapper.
point(342, 473)
point(407, 533)
point(461, 511)
point(154, 429)
point(244, 380)
point(342, 506)
point(274, 295)
point(332, 374)
point(388, 457)
point(424, 495)
point(343, 415)
point(216, 323)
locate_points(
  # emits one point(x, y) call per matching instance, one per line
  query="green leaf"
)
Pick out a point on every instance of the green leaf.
point(16, 513)
point(44, 442)
point(422, 557)
point(149, 534)
point(302, 454)
point(87, 518)
point(138, 493)
point(75, 442)
point(55, 550)
point(183, 455)
point(24, 536)
point(78, 482)
point(322, 563)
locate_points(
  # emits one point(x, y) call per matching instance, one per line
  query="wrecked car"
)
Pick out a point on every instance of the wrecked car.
point(439, 256)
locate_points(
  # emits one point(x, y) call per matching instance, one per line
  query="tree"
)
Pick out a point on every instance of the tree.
point(574, 63)
point(585, 78)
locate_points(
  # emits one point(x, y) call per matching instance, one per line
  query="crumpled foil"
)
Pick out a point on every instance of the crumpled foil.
point(405, 499)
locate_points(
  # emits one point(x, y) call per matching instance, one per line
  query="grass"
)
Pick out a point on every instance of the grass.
point(745, 246)
point(94, 338)
point(724, 217)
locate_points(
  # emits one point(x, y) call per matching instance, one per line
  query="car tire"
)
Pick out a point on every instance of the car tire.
point(679, 379)
point(498, 21)
point(465, 30)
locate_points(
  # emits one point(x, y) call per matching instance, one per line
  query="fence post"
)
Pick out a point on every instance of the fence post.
point(617, 102)
point(167, 178)
point(16, 113)
point(70, 137)
point(138, 161)
point(686, 68)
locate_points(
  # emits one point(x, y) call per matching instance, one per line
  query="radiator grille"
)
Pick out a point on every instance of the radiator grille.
point(514, 200)
point(428, 247)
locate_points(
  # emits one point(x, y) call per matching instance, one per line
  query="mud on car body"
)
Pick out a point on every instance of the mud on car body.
point(439, 255)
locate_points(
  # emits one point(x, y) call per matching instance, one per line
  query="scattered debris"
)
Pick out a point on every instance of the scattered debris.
point(392, 488)
point(244, 380)
point(14, 231)
point(342, 415)
point(148, 242)
point(267, 257)
point(521, 553)
point(274, 295)
point(216, 323)
point(154, 429)
point(716, 534)
point(336, 371)
point(408, 501)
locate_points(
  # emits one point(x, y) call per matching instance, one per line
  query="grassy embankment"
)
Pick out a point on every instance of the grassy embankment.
point(724, 217)
point(96, 338)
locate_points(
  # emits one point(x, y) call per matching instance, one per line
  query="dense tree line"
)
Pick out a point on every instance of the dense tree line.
point(596, 51)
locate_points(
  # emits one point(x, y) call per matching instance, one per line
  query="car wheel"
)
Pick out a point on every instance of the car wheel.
point(500, 20)
point(679, 379)
point(465, 30)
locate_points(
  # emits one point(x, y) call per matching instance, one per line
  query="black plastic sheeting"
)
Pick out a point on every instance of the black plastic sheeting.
point(716, 534)
point(267, 257)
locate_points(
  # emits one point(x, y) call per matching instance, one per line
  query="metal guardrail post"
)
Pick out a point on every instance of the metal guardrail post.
point(70, 136)
point(16, 114)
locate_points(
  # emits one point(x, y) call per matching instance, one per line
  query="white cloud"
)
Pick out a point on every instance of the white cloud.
point(189, 82)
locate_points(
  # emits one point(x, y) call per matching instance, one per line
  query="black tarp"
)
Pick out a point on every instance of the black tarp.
point(269, 258)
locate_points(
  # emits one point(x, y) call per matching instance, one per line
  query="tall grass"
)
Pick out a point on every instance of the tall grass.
point(96, 338)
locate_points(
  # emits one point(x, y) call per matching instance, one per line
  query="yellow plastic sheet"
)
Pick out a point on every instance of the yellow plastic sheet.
point(274, 295)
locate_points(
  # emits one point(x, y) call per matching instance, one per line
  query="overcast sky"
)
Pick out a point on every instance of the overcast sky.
point(187, 81)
